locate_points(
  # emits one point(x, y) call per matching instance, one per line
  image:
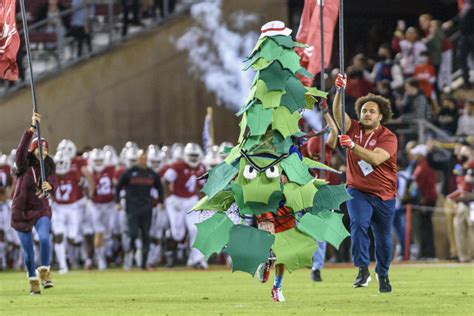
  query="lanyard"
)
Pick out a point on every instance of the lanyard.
point(368, 139)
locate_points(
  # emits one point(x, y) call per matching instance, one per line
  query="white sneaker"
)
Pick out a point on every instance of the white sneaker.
point(101, 264)
point(128, 261)
point(277, 294)
point(63, 271)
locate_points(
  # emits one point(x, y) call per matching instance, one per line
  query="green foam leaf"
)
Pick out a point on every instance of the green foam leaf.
point(294, 98)
point(258, 119)
point(219, 177)
point(299, 197)
point(296, 170)
point(324, 226)
point(213, 234)
point(248, 247)
point(294, 249)
point(285, 122)
point(330, 197)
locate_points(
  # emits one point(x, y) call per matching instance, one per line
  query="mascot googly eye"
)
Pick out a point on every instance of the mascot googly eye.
point(250, 172)
point(272, 172)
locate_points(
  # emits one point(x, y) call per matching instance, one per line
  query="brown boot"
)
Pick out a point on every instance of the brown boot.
point(45, 276)
point(35, 288)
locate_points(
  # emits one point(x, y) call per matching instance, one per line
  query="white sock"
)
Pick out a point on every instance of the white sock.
point(100, 255)
point(138, 257)
point(60, 250)
point(3, 255)
point(153, 255)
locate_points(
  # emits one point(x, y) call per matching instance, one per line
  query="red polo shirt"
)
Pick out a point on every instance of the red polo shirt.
point(382, 181)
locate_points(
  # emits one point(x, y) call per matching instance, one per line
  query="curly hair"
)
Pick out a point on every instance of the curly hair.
point(384, 106)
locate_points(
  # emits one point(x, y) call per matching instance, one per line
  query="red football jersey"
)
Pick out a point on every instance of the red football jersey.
point(119, 171)
point(104, 188)
point(69, 188)
point(77, 163)
point(382, 181)
point(163, 170)
point(184, 179)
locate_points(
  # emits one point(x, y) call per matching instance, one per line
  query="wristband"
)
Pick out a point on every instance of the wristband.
point(353, 145)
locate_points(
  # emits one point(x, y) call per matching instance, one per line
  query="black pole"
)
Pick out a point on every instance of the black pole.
point(341, 64)
point(32, 83)
point(322, 83)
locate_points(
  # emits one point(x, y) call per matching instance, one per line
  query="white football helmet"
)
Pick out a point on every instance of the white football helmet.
point(11, 158)
point(165, 155)
point(222, 147)
point(68, 147)
point(111, 158)
point(212, 157)
point(192, 154)
point(131, 157)
point(3, 159)
point(176, 152)
point(131, 144)
point(63, 162)
point(97, 159)
point(154, 157)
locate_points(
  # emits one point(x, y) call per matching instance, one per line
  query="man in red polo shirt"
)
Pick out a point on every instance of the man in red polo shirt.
point(371, 181)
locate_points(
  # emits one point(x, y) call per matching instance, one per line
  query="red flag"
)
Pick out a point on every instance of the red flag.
point(309, 33)
point(9, 40)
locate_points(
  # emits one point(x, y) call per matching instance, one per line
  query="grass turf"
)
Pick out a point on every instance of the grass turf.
point(417, 290)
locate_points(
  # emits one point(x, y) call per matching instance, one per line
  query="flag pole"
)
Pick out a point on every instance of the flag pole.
point(341, 63)
point(211, 124)
point(33, 91)
point(322, 81)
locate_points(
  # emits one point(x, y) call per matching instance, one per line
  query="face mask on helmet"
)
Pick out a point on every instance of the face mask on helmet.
point(68, 147)
point(97, 160)
point(192, 160)
point(63, 163)
point(192, 155)
point(98, 164)
point(154, 164)
point(131, 157)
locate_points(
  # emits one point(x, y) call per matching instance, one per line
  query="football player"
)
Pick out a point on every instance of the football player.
point(182, 181)
point(67, 207)
point(101, 204)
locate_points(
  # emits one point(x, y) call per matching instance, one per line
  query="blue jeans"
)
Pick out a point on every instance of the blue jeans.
point(319, 255)
point(42, 226)
point(399, 225)
point(369, 210)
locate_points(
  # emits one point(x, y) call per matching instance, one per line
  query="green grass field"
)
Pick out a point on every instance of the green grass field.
point(418, 290)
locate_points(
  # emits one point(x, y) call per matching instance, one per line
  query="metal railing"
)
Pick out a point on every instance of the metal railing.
point(50, 38)
point(421, 130)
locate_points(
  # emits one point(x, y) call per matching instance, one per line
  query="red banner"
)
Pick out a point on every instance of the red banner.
point(309, 33)
point(9, 40)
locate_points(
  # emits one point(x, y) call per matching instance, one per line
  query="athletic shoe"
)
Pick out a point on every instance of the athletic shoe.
point(101, 264)
point(363, 278)
point(63, 271)
point(35, 288)
point(128, 261)
point(384, 284)
point(88, 264)
point(264, 271)
point(316, 275)
point(45, 277)
point(277, 294)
